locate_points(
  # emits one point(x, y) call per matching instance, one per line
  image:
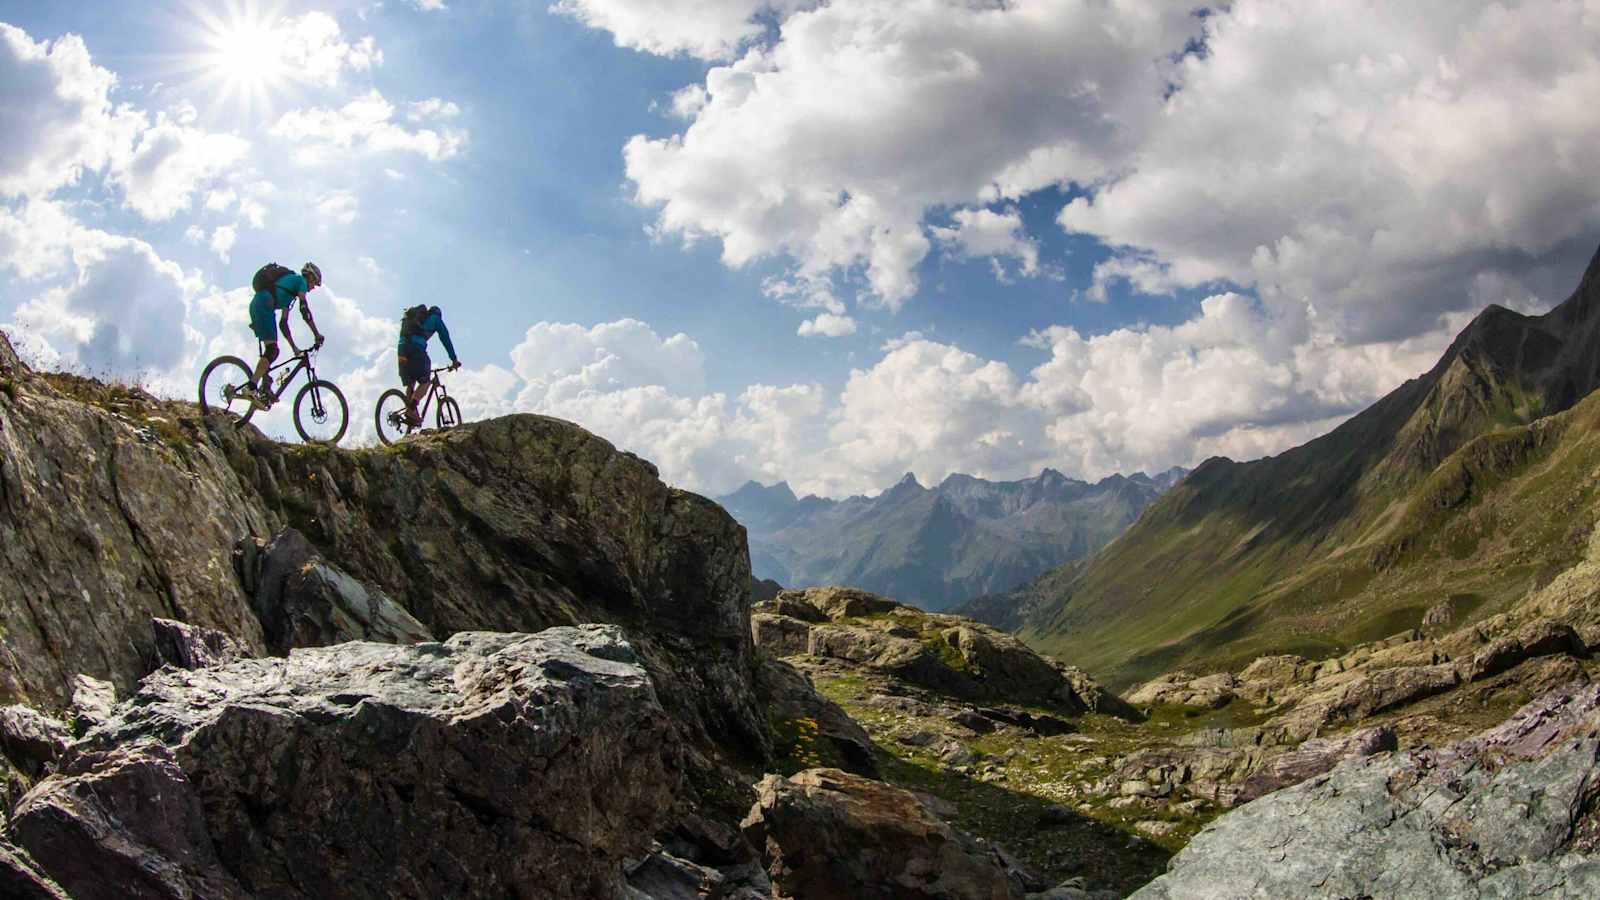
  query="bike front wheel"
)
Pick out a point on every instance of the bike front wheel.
point(320, 413)
point(221, 385)
point(391, 416)
point(449, 413)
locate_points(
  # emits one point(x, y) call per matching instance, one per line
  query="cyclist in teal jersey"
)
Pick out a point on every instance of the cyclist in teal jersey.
point(285, 291)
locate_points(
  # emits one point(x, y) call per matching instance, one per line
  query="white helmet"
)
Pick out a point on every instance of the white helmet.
point(311, 273)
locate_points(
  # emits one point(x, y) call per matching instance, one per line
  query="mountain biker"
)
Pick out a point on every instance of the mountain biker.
point(286, 289)
point(418, 325)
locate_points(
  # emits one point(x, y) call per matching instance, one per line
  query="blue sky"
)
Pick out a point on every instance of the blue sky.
point(827, 242)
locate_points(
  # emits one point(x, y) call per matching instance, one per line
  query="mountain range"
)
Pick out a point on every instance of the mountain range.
point(935, 547)
point(1454, 496)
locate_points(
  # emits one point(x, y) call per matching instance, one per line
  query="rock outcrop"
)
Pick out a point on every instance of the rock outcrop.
point(514, 524)
point(1509, 813)
point(488, 765)
point(828, 835)
point(949, 655)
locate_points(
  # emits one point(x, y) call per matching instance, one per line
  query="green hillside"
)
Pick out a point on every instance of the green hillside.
point(1467, 483)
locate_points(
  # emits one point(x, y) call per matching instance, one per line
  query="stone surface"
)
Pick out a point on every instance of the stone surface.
point(947, 655)
point(302, 600)
point(1542, 637)
point(1491, 816)
point(1183, 689)
point(791, 697)
point(193, 647)
point(96, 545)
point(828, 835)
point(367, 770)
point(1312, 758)
point(780, 635)
point(92, 701)
point(20, 879)
point(31, 740)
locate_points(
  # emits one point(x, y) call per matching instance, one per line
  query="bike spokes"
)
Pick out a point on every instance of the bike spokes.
point(320, 412)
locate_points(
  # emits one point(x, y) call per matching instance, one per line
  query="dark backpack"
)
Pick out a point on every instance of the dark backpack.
point(267, 276)
point(411, 321)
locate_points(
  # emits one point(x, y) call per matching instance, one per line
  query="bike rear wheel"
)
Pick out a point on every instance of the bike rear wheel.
point(320, 412)
point(220, 383)
point(449, 413)
point(390, 416)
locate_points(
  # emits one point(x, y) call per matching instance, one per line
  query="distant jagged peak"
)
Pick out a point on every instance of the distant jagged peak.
point(907, 482)
point(755, 490)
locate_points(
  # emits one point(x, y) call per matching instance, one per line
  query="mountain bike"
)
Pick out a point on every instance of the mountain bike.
point(393, 423)
point(320, 411)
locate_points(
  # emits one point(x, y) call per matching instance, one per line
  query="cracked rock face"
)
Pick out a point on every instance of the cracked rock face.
point(1509, 813)
point(503, 765)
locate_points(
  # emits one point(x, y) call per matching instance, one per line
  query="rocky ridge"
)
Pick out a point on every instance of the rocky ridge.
point(515, 524)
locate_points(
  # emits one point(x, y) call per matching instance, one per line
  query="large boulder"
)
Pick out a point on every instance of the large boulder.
point(945, 654)
point(828, 835)
point(1183, 689)
point(469, 768)
point(1510, 813)
point(780, 635)
point(525, 522)
point(1541, 637)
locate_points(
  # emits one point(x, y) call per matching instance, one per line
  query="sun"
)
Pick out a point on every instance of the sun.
point(241, 53)
point(248, 55)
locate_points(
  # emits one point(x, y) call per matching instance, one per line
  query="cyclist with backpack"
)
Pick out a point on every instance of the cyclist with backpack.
point(417, 326)
point(277, 288)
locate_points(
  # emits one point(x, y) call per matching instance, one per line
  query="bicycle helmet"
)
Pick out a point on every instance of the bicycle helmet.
point(313, 275)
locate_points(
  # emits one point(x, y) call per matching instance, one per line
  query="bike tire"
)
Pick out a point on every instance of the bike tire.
point(449, 415)
point(216, 376)
point(340, 408)
point(389, 432)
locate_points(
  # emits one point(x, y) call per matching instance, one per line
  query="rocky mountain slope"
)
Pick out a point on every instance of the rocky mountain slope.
point(140, 535)
point(508, 661)
point(505, 660)
point(1472, 483)
point(963, 538)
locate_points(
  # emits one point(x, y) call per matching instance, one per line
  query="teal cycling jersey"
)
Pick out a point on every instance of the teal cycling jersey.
point(287, 289)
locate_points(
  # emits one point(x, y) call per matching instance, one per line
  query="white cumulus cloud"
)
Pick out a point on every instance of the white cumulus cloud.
point(831, 143)
point(367, 124)
point(827, 325)
point(709, 29)
point(55, 113)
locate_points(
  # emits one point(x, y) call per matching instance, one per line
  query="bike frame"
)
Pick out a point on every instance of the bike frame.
point(435, 386)
point(301, 360)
